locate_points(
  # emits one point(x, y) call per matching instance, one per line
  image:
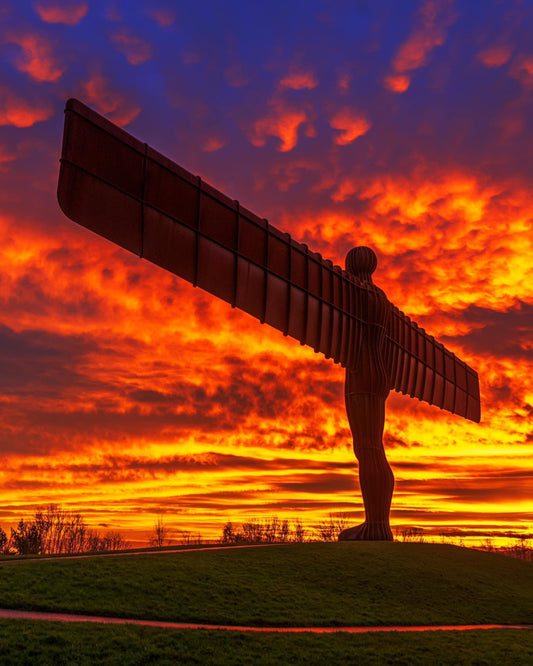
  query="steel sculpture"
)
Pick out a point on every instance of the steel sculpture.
point(127, 192)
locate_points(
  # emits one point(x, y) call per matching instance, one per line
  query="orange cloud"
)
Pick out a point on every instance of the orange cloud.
point(212, 144)
point(37, 58)
point(495, 56)
point(135, 49)
point(19, 112)
point(397, 83)
point(299, 81)
point(106, 100)
point(282, 123)
point(434, 16)
point(428, 32)
point(69, 13)
point(351, 126)
point(472, 239)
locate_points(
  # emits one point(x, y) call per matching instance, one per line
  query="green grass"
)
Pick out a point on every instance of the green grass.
point(301, 584)
point(45, 643)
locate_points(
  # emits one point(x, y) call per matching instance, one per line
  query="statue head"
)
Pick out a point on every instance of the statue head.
point(362, 262)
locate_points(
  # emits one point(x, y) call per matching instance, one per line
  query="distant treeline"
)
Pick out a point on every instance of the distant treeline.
point(262, 530)
point(274, 530)
point(53, 530)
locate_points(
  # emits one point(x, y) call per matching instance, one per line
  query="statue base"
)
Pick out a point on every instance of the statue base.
point(367, 532)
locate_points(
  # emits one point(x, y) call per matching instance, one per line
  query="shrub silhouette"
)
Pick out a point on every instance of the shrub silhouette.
point(53, 530)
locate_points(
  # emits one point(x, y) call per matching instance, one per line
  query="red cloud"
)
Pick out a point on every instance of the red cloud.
point(69, 13)
point(351, 125)
point(37, 58)
point(162, 16)
point(429, 31)
point(135, 49)
point(99, 93)
point(344, 82)
point(282, 123)
point(495, 56)
point(19, 112)
point(212, 144)
point(5, 156)
point(522, 69)
point(299, 81)
point(398, 83)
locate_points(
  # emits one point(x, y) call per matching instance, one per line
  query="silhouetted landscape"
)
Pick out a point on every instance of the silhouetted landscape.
point(286, 585)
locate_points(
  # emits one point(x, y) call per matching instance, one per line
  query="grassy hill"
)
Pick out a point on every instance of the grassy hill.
point(288, 585)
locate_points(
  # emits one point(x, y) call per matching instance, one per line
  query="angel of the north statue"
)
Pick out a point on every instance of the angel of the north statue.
point(127, 192)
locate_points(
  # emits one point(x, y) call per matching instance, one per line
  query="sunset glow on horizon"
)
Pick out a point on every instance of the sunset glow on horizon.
point(408, 127)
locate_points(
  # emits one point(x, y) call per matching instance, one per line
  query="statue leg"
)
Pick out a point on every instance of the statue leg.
point(366, 415)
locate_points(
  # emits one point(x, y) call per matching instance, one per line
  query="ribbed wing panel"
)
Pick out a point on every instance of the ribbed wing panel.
point(127, 192)
point(423, 368)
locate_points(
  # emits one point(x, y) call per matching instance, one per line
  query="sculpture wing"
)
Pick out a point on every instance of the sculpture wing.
point(122, 189)
point(423, 368)
point(127, 192)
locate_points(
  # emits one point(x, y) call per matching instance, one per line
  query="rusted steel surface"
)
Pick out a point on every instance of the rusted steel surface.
point(127, 192)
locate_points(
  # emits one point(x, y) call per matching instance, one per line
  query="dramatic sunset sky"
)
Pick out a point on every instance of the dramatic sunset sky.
point(406, 126)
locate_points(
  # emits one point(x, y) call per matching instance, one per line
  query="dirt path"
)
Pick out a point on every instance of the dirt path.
point(68, 617)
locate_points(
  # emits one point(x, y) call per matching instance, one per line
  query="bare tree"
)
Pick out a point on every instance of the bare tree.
point(329, 530)
point(92, 541)
point(298, 532)
point(253, 532)
point(521, 548)
point(76, 532)
point(113, 541)
point(411, 534)
point(159, 536)
point(187, 538)
point(284, 532)
point(54, 530)
point(26, 538)
point(52, 523)
point(231, 534)
point(274, 530)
